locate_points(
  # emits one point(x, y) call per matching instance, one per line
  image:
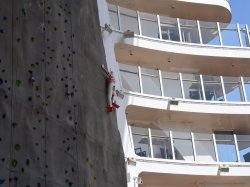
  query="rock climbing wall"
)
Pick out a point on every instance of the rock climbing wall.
point(54, 130)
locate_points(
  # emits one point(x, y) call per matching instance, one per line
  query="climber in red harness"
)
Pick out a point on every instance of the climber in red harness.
point(111, 90)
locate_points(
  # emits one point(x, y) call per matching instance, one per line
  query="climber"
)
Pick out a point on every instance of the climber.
point(111, 90)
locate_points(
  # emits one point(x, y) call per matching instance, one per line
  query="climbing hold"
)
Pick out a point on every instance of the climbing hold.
point(14, 163)
point(1, 81)
point(17, 147)
point(4, 18)
point(18, 83)
point(14, 124)
point(23, 11)
point(18, 40)
point(27, 162)
point(2, 181)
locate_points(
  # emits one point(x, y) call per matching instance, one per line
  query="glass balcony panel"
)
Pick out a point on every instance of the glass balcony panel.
point(139, 130)
point(130, 77)
point(162, 148)
point(169, 29)
point(244, 147)
point(247, 87)
point(213, 88)
point(225, 146)
point(183, 147)
point(159, 133)
point(172, 88)
point(189, 31)
point(183, 150)
point(226, 151)
point(149, 25)
point(233, 89)
point(204, 147)
point(209, 33)
point(129, 20)
point(141, 145)
point(192, 86)
point(229, 34)
point(113, 16)
point(244, 37)
point(150, 81)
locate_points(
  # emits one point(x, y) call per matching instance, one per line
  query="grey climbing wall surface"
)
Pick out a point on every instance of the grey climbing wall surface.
point(54, 130)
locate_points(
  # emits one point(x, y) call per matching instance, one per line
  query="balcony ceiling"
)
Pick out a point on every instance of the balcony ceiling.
point(177, 57)
point(149, 117)
point(209, 10)
point(171, 180)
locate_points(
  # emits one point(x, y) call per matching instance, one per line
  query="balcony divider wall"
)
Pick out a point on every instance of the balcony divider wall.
point(179, 30)
point(185, 85)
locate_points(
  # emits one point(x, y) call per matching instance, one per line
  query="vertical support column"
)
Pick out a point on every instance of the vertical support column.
point(140, 79)
point(172, 143)
point(219, 32)
point(182, 87)
point(223, 88)
point(131, 137)
point(119, 18)
point(239, 34)
point(193, 144)
point(199, 30)
point(248, 36)
point(243, 89)
point(237, 148)
point(161, 85)
point(159, 26)
point(215, 149)
point(139, 22)
point(202, 87)
point(179, 29)
point(150, 143)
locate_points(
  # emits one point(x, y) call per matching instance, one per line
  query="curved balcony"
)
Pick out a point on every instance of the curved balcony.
point(160, 150)
point(210, 10)
point(169, 41)
point(164, 91)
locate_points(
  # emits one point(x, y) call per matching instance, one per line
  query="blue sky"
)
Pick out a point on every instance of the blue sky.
point(240, 11)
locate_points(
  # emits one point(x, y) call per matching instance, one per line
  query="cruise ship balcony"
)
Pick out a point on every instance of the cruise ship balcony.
point(184, 92)
point(175, 153)
point(178, 44)
point(210, 10)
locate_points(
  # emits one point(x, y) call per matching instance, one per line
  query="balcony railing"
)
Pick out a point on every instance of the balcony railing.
point(218, 146)
point(185, 85)
point(179, 30)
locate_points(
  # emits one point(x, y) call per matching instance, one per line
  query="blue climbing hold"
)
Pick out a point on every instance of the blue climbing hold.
point(2, 181)
point(1, 81)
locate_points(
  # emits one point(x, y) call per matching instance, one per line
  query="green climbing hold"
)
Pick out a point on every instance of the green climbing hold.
point(14, 124)
point(18, 83)
point(23, 11)
point(17, 147)
point(14, 163)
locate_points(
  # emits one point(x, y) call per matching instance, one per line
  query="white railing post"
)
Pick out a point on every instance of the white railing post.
point(140, 79)
point(193, 144)
point(139, 22)
point(182, 87)
point(237, 148)
point(243, 89)
point(179, 29)
point(219, 32)
point(223, 88)
point(202, 88)
point(150, 143)
point(119, 18)
point(215, 148)
point(248, 36)
point(239, 34)
point(199, 30)
point(159, 26)
point(161, 84)
point(172, 144)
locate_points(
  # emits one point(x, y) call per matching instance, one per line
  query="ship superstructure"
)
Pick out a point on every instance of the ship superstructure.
point(184, 71)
